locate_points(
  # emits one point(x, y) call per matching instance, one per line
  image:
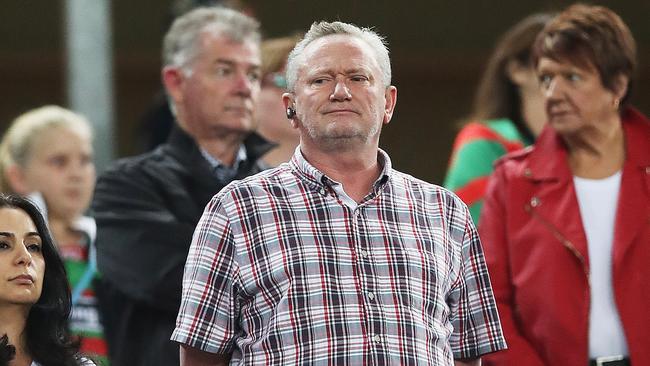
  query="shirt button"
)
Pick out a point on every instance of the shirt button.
point(371, 296)
point(364, 253)
point(376, 338)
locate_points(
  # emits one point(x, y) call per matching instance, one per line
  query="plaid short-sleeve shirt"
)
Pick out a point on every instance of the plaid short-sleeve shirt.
point(282, 272)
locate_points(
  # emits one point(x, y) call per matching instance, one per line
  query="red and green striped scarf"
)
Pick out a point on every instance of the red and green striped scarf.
point(476, 148)
point(84, 320)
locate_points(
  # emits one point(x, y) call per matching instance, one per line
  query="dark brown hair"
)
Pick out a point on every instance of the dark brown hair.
point(47, 336)
point(590, 36)
point(497, 96)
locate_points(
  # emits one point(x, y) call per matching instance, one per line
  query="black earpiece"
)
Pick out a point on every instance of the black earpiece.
point(291, 113)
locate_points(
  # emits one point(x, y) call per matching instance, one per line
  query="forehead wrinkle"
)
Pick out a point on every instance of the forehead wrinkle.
point(331, 68)
point(347, 71)
point(360, 48)
point(359, 70)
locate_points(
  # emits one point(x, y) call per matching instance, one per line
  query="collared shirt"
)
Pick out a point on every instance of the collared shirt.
point(281, 271)
point(220, 170)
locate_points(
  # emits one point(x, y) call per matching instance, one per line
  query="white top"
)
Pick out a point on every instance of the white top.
point(598, 199)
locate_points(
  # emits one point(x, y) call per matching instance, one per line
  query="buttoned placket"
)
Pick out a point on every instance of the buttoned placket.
point(368, 281)
point(365, 270)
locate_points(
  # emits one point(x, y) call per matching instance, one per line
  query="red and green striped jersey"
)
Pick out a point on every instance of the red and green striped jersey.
point(84, 319)
point(476, 148)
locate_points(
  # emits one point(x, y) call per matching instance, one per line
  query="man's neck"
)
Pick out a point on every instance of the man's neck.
point(356, 170)
point(280, 154)
point(222, 145)
point(223, 150)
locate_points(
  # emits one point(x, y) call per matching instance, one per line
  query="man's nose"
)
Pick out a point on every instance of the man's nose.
point(341, 92)
point(244, 85)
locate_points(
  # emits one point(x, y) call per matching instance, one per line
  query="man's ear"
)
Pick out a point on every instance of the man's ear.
point(288, 100)
point(16, 179)
point(391, 100)
point(173, 79)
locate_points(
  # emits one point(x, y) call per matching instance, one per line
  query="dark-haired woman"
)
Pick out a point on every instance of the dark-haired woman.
point(508, 113)
point(566, 225)
point(34, 292)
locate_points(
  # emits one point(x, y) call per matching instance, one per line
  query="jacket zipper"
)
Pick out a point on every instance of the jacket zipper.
point(561, 238)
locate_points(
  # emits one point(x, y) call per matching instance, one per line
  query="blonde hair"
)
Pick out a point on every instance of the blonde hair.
point(17, 143)
point(275, 52)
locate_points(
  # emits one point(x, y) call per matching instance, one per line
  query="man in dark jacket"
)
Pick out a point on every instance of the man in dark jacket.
point(147, 206)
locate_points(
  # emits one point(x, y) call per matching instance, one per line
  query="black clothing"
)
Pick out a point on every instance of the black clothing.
point(156, 123)
point(146, 208)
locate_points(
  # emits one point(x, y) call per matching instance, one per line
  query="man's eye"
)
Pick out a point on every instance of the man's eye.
point(58, 161)
point(319, 81)
point(4, 245)
point(254, 76)
point(359, 78)
point(223, 71)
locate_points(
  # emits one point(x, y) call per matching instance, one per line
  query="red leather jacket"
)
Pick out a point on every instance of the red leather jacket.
point(536, 251)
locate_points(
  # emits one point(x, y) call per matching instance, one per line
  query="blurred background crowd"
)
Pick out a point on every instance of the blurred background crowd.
point(438, 49)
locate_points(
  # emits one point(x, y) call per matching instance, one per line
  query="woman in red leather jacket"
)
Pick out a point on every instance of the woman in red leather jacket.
point(566, 223)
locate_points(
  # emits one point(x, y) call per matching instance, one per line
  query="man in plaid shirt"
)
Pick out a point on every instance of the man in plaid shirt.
point(335, 258)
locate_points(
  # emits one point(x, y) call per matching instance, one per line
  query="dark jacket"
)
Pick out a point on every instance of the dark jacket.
point(146, 208)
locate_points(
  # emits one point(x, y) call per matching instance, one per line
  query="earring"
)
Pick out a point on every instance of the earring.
point(617, 103)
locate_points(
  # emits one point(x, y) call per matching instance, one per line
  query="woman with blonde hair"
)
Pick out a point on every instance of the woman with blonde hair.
point(270, 113)
point(46, 155)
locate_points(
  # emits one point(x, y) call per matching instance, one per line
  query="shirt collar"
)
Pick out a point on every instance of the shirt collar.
point(221, 170)
point(315, 176)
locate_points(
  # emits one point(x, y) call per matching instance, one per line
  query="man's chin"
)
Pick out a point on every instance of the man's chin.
point(341, 134)
point(341, 142)
point(244, 126)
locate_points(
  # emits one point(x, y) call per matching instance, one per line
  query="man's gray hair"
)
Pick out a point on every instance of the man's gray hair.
point(181, 41)
point(323, 29)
